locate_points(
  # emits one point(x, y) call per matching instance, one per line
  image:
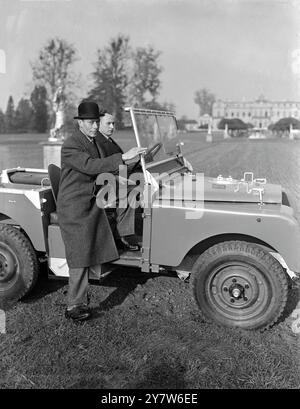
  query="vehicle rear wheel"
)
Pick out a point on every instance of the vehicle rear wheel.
point(18, 265)
point(239, 284)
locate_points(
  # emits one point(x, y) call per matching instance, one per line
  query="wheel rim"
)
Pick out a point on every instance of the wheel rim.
point(9, 267)
point(238, 291)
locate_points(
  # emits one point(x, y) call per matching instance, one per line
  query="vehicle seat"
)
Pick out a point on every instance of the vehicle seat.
point(53, 218)
point(54, 176)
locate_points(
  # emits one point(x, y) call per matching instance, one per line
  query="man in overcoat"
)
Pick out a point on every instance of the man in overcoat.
point(123, 222)
point(85, 228)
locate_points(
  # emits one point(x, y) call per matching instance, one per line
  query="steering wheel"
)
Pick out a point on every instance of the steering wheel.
point(151, 152)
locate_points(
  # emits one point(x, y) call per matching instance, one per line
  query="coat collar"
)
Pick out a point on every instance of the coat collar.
point(89, 146)
point(108, 139)
point(99, 142)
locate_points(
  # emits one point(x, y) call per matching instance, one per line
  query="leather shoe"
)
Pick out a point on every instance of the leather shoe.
point(78, 313)
point(127, 246)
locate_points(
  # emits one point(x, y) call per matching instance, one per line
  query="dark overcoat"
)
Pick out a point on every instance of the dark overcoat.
point(85, 228)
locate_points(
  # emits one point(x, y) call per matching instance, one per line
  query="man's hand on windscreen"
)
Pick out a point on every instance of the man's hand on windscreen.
point(133, 153)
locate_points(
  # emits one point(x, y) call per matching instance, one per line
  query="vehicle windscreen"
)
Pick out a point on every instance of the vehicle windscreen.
point(157, 131)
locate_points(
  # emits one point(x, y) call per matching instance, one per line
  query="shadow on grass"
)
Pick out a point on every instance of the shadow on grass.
point(162, 376)
point(123, 280)
point(125, 283)
point(44, 286)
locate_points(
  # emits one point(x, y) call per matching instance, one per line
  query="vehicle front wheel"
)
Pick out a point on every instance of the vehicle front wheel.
point(18, 265)
point(239, 284)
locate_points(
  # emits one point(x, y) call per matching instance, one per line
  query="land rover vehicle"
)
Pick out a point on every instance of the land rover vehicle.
point(238, 239)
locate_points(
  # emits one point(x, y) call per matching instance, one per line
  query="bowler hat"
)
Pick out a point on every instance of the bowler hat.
point(88, 110)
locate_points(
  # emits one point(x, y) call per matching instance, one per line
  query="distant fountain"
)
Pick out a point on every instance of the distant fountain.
point(291, 134)
point(209, 133)
point(226, 134)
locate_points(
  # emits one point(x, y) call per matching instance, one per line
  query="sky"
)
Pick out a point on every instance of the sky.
point(238, 49)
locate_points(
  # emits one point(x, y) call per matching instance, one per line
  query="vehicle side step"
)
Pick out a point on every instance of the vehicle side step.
point(130, 258)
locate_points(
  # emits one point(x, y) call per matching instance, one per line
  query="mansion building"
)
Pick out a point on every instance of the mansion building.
point(260, 113)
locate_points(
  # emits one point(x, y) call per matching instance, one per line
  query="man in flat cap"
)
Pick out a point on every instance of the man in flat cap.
point(86, 232)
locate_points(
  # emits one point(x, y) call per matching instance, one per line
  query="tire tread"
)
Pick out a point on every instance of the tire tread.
point(23, 243)
point(254, 251)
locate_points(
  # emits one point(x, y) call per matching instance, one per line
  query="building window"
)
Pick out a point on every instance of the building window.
point(266, 114)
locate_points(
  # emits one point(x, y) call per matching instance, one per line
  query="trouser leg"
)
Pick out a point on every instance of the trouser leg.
point(125, 221)
point(101, 270)
point(78, 286)
point(125, 217)
point(98, 269)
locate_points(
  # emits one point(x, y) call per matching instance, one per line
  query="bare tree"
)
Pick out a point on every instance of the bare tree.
point(53, 68)
point(38, 100)
point(205, 99)
point(111, 76)
point(24, 114)
point(2, 121)
point(10, 115)
point(144, 83)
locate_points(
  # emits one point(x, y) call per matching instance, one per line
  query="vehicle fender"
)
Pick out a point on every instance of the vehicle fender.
point(177, 229)
point(24, 208)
